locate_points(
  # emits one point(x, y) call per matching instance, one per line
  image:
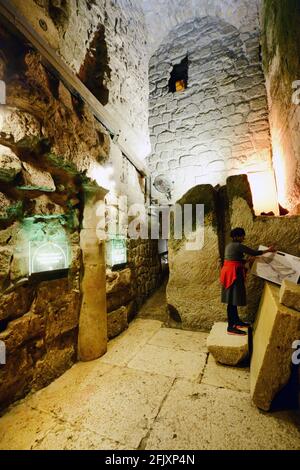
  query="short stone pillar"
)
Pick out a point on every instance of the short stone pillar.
point(92, 340)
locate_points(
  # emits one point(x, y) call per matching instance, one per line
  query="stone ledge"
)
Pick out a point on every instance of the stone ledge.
point(289, 295)
point(275, 330)
point(227, 349)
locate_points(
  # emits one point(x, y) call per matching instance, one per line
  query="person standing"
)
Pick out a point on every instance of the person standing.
point(233, 274)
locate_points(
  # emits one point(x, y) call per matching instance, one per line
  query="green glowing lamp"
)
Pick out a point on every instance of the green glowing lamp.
point(116, 251)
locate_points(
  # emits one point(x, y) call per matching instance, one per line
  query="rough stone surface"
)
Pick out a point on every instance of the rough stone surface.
point(33, 178)
point(280, 53)
point(219, 375)
point(163, 16)
point(19, 129)
point(231, 422)
point(22, 330)
point(9, 208)
point(5, 260)
point(289, 295)
point(193, 289)
point(16, 303)
point(92, 341)
point(227, 349)
point(117, 281)
point(116, 322)
point(144, 263)
point(124, 47)
point(219, 124)
point(275, 330)
point(59, 306)
point(10, 164)
point(151, 411)
point(260, 230)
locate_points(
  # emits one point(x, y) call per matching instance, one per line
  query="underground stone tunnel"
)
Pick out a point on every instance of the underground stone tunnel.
point(111, 111)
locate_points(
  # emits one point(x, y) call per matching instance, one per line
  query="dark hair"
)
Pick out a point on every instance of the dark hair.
point(237, 232)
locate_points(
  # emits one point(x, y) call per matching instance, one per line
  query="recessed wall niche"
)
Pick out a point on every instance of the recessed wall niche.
point(179, 76)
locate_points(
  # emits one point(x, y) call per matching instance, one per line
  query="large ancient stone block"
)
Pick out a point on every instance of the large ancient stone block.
point(275, 330)
point(19, 129)
point(59, 356)
point(194, 289)
point(289, 294)
point(33, 178)
point(227, 349)
point(16, 303)
point(59, 305)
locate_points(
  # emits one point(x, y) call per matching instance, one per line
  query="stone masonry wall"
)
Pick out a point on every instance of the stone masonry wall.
point(281, 60)
point(49, 142)
point(109, 38)
point(161, 16)
point(219, 125)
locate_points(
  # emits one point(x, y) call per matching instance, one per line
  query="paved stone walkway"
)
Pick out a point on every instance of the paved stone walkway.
point(156, 388)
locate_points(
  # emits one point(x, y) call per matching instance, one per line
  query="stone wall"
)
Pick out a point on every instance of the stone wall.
point(218, 125)
point(145, 265)
point(161, 16)
point(104, 42)
point(281, 60)
point(48, 142)
point(51, 147)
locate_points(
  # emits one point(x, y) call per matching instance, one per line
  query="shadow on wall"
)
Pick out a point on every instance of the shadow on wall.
point(94, 72)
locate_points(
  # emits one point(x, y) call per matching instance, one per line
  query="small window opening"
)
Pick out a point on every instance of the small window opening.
point(179, 76)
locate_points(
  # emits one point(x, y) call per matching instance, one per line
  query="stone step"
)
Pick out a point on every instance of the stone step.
point(227, 349)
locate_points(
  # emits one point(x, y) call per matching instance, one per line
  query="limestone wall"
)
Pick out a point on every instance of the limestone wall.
point(218, 126)
point(162, 16)
point(282, 232)
point(104, 43)
point(281, 60)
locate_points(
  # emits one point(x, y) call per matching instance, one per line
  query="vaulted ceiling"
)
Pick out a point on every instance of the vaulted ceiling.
point(163, 15)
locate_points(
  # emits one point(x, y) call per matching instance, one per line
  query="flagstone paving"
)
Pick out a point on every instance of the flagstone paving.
point(156, 388)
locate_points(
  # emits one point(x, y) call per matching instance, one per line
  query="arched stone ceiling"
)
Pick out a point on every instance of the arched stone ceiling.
point(164, 15)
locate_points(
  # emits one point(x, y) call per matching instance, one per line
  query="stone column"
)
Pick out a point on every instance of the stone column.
point(92, 341)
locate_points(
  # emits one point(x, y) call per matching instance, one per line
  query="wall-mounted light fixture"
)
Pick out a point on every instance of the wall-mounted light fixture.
point(116, 251)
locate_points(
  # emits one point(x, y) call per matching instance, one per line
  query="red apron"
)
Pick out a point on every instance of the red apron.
point(229, 272)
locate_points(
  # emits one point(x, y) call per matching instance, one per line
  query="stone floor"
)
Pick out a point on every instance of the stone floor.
point(156, 388)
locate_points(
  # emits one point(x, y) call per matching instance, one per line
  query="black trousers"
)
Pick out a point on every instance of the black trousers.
point(232, 315)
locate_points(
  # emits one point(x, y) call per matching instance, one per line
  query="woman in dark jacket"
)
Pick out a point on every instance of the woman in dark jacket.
point(232, 278)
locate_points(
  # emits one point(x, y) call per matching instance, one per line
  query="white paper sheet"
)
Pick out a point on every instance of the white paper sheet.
point(276, 267)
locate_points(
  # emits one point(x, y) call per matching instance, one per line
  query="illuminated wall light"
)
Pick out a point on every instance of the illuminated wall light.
point(116, 251)
point(2, 92)
point(264, 192)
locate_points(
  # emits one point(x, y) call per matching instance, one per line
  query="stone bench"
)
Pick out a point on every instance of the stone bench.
point(227, 349)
